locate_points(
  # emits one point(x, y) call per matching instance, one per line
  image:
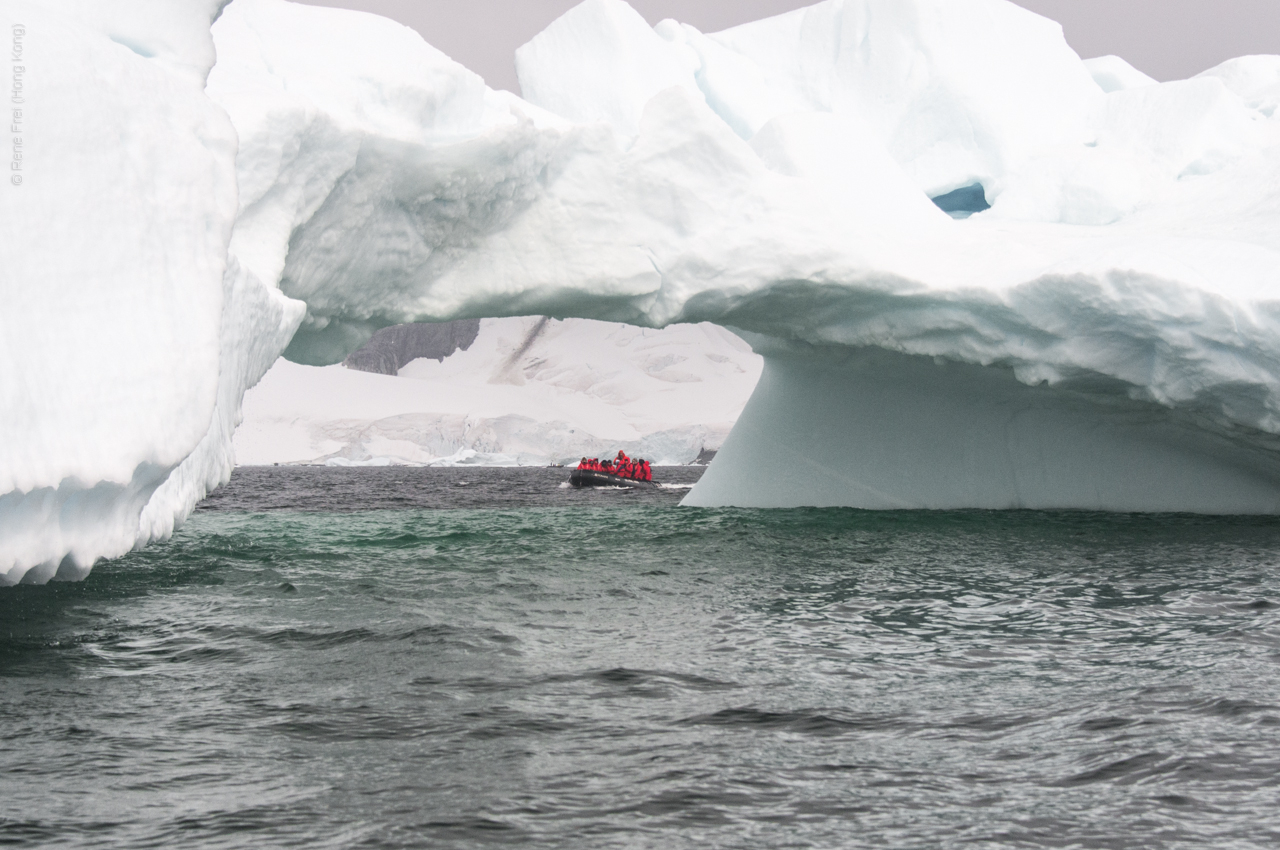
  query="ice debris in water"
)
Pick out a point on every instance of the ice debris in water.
point(1103, 336)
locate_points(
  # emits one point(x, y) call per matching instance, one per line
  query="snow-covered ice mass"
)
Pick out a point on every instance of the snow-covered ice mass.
point(1090, 323)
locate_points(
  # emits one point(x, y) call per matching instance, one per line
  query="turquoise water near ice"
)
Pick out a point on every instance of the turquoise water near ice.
point(475, 658)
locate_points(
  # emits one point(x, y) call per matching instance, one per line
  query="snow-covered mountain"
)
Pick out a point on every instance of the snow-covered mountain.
point(527, 390)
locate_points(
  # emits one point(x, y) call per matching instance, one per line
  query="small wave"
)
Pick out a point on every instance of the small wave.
point(1131, 769)
point(323, 640)
point(565, 485)
point(676, 486)
point(814, 723)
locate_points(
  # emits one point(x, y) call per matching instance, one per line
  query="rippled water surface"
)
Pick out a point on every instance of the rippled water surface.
point(467, 658)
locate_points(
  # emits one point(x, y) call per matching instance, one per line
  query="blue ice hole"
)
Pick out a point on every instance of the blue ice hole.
point(963, 202)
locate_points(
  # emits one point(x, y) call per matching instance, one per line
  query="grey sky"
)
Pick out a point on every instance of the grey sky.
point(1169, 39)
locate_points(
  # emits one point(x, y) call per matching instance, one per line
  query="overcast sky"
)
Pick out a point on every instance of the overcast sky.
point(1169, 39)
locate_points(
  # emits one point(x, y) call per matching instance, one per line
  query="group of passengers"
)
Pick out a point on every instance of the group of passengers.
point(621, 466)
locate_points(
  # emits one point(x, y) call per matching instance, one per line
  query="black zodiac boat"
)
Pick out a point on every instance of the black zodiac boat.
point(596, 478)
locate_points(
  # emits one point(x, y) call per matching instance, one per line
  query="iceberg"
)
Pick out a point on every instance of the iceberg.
point(128, 332)
point(1092, 323)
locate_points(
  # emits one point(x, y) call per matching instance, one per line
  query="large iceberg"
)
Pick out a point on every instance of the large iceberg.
point(127, 333)
point(1092, 326)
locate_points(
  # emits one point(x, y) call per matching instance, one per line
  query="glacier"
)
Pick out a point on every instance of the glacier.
point(210, 184)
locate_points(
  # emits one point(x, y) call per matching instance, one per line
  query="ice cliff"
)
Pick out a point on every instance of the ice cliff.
point(1100, 332)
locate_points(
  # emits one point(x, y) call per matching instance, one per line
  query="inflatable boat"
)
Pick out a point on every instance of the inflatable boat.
point(596, 478)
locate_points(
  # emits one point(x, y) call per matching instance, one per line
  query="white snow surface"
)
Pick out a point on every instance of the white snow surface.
point(1113, 74)
point(527, 391)
point(774, 178)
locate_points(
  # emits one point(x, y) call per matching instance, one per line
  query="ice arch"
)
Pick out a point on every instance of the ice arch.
point(1111, 302)
point(1114, 302)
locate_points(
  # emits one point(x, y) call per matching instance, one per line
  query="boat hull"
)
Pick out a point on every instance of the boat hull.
point(595, 478)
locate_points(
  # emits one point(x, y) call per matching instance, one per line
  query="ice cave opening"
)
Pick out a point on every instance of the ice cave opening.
point(963, 202)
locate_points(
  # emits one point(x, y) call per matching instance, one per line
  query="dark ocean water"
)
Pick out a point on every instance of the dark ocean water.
point(396, 658)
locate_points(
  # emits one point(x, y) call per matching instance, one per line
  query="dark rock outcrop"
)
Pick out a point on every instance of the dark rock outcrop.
point(391, 348)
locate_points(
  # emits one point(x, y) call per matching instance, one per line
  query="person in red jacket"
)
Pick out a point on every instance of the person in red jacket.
point(646, 472)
